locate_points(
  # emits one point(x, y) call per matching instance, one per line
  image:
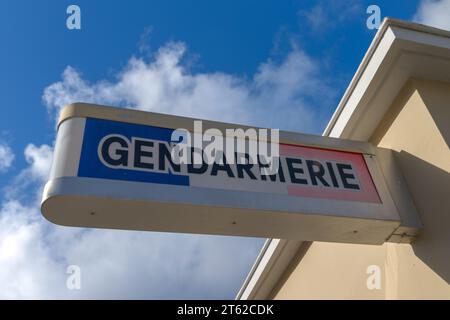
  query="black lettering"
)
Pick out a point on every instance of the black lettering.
point(192, 167)
point(292, 171)
point(345, 175)
point(122, 153)
point(165, 154)
point(241, 168)
point(317, 173)
point(332, 175)
point(223, 167)
point(272, 177)
point(138, 153)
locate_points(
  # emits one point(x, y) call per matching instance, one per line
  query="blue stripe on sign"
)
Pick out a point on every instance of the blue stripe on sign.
point(91, 166)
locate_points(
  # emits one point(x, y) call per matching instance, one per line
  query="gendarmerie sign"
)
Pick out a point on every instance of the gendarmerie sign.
point(127, 169)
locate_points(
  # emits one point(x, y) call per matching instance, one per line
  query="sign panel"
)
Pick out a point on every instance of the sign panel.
point(114, 150)
point(114, 168)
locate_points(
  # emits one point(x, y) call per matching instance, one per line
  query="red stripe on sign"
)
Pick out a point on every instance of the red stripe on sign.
point(367, 192)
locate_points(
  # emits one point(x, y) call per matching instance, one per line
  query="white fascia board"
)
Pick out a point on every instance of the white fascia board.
point(355, 80)
point(399, 51)
point(404, 51)
point(352, 101)
point(395, 38)
point(272, 261)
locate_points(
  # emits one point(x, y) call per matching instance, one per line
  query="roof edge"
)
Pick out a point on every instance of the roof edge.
point(387, 23)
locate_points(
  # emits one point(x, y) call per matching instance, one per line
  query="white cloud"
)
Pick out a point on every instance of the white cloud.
point(34, 253)
point(115, 264)
point(435, 13)
point(276, 96)
point(40, 159)
point(26, 271)
point(6, 157)
point(326, 15)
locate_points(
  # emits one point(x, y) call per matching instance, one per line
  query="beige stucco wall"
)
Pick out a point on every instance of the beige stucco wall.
point(417, 128)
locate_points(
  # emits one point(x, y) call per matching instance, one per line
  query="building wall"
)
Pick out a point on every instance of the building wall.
point(417, 128)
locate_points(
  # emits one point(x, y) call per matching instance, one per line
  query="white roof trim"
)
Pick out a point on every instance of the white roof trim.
point(399, 51)
point(272, 261)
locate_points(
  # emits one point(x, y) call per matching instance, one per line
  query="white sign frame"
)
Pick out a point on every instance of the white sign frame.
point(71, 200)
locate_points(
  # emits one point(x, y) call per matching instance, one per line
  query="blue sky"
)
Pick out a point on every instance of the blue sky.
point(281, 64)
